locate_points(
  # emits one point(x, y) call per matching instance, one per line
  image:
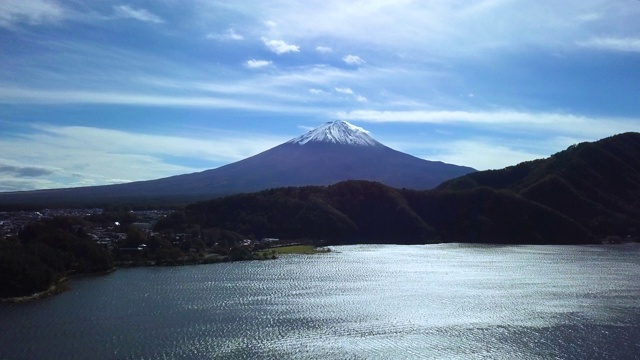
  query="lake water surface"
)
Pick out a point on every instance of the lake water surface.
point(447, 301)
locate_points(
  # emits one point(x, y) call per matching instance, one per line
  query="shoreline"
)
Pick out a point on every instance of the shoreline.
point(61, 285)
point(56, 288)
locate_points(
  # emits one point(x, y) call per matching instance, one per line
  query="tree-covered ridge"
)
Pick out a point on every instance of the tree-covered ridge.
point(348, 211)
point(369, 212)
point(595, 184)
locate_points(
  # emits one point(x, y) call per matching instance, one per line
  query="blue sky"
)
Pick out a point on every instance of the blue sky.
point(100, 92)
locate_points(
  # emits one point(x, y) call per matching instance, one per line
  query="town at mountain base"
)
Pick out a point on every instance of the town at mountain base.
point(333, 152)
point(589, 193)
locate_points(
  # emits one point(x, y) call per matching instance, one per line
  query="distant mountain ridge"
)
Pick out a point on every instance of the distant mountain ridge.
point(333, 152)
point(583, 195)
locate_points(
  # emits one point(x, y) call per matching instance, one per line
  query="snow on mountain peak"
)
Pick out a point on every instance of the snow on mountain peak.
point(337, 132)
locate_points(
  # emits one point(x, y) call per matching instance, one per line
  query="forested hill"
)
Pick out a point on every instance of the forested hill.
point(585, 194)
point(596, 184)
point(369, 212)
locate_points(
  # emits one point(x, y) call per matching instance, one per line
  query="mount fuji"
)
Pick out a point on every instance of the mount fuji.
point(333, 152)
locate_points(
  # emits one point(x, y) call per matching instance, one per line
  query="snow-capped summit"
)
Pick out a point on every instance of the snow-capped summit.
point(337, 132)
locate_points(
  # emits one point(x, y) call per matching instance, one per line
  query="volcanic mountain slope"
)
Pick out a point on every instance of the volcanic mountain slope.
point(333, 152)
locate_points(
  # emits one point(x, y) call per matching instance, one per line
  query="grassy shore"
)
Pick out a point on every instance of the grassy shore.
point(293, 249)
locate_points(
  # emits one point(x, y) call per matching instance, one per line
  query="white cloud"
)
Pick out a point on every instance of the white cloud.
point(323, 49)
point(127, 12)
point(229, 34)
point(316, 91)
point(612, 44)
point(32, 12)
point(348, 91)
point(41, 12)
point(480, 154)
point(353, 60)
point(494, 151)
point(22, 96)
point(448, 29)
point(257, 64)
point(344, 90)
point(280, 47)
point(505, 120)
point(274, 90)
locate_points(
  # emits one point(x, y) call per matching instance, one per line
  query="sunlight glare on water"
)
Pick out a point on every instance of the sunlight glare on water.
point(446, 301)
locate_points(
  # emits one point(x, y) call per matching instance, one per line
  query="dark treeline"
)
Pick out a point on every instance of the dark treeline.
point(49, 250)
point(46, 251)
point(369, 212)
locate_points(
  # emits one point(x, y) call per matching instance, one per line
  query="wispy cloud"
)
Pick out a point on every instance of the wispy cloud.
point(353, 60)
point(274, 90)
point(26, 95)
point(86, 156)
point(228, 35)
point(25, 171)
point(128, 12)
point(257, 64)
point(344, 90)
point(481, 154)
point(506, 120)
point(42, 12)
point(612, 44)
point(348, 91)
point(324, 49)
point(32, 12)
point(280, 47)
point(454, 28)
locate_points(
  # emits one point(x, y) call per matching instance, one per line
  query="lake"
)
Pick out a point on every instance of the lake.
point(447, 301)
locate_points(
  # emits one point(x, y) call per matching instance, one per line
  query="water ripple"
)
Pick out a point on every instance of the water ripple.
point(446, 301)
